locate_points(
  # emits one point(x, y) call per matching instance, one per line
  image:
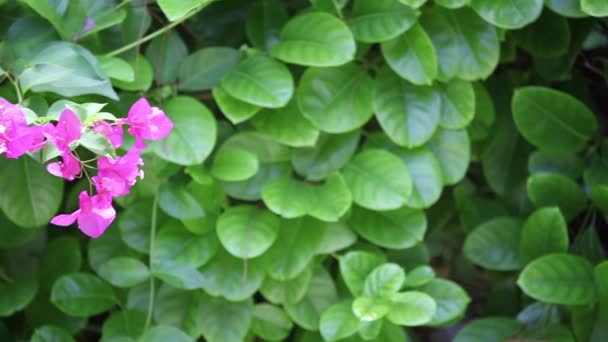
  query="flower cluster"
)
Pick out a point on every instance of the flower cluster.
point(115, 176)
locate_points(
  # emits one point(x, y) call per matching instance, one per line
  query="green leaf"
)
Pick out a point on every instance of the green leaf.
point(505, 157)
point(336, 100)
point(234, 165)
point(559, 279)
point(452, 150)
point(452, 3)
point(601, 276)
point(178, 10)
point(106, 247)
point(298, 241)
point(531, 39)
point(50, 333)
point(33, 197)
point(544, 232)
point(333, 199)
point(290, 291)
point(221, 321)
point(355, 267)
point(596, 8)
point(134, 224)
point(172, 306)
point(124, 324)
point(384, 281)
point(490, 329)
point(412, 56)
point(411, 308)
point(394, 229)
point(261, 81)
point(177, 202)
point(553, 120)
point(467, 47)
point(370, 331)
point(315, 39)
point(451, 299)
point(117, 68)
point(569, 165)
point(320, 296)
point(247, 232)
point(124, 272)
point(180, 246)
point(409, 114)
point(68, 70)
point(20, 284)
point(338, 322)
point(251, 188)
point(264, 22)
point(336, 236)
point(495, 244)
point(177, 274)
point(287, 126)
point(419, 276)
point(508, 14)
point(82, 294)
point(457, 104)
point(194, 132)
point(166, 53)
point(381, 20)
point(330, 153)
point(270, 322)
point(205, 68)
point(61, 256)
point(63, 22)
point(426, 175)
point(162, 333)
point(288, 197)
point(144, 75)
point(378, 180)
point(232, 278)
point(12, 235)
point(370, 309)
point(588, 245)
point(547, 189)
point(235, 110)
point(98, 144)
point(485, 114)
point(567, 8)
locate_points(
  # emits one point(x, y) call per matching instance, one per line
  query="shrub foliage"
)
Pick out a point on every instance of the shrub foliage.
point(378, 170)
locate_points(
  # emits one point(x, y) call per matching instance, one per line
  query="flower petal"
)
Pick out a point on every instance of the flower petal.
point(65, 219)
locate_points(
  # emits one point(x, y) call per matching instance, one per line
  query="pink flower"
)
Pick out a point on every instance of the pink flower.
point(113, 133)
point(65, 132)
point(16, 137)
point(147, 122)
point(69, 168)
point(116, 176)
point(94, 216)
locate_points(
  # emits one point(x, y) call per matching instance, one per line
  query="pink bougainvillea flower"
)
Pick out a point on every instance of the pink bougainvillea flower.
point(147, 122)
point(67, 130)
point(16, 137)
point(94, 215)
point(117, 176)
point(113, 133)
point(69, 168)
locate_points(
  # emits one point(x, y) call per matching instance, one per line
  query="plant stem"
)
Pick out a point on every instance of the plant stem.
point(154, 34)
point(152, 238)
point(16, 85)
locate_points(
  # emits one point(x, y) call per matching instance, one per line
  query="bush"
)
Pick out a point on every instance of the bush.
point(380, 170)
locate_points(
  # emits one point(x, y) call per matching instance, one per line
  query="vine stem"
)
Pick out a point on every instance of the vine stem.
point(152, 238)
point(16, 85)
point(155, 33)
